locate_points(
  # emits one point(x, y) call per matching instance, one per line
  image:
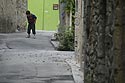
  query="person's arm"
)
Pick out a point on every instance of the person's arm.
point(35, 18)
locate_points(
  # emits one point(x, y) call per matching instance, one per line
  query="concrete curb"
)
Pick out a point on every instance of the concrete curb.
point(77, 74)
point(55, 44)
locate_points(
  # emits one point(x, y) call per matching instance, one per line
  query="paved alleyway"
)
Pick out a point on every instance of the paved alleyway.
point(18, 41)
point(28, 60)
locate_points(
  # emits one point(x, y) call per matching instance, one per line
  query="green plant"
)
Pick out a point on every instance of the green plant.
point(69, 5)
point(66, 41)
point(65, 36)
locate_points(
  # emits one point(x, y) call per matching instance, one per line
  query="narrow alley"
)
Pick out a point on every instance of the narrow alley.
point(77, 41)
point(28, 60)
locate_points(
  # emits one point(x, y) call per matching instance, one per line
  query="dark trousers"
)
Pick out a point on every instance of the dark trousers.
point(31, 27)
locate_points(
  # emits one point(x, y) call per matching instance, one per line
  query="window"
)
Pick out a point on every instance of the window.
point(55, 6)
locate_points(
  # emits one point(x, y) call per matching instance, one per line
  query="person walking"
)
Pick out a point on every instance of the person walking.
point(31, 24)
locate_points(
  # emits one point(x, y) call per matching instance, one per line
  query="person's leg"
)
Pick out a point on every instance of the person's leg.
point(33, 30)
point(29, 30)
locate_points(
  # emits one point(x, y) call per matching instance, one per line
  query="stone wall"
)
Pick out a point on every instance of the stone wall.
point(11, 14)
point(119, 42)
point(7, 15)
point(104, 41)
point(21, 7)
point(79, 32)
point(95, 65)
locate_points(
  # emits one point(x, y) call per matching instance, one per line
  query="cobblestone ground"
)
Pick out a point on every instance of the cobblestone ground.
point(31, 60)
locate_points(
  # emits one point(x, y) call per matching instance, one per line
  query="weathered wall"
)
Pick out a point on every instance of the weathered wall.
point(11, 14)
point(99, 63)
point(104, 44)
point(7, 15)
point(21, 7)
point(119, 42)
point(79, 32)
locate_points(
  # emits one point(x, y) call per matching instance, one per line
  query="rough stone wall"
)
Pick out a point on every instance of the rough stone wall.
point(95, 58)
point(99, 26)
point(79, 32)
point(11, 14)
point(104, 46)
point(21, 7)
point(7, 15)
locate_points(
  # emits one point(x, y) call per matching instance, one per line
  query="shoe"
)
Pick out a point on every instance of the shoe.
point(28, 36)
